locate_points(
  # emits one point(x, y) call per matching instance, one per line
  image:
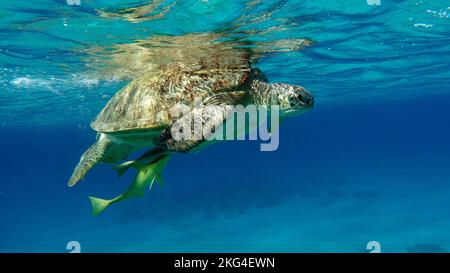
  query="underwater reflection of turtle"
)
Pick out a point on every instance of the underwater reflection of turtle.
point(139, 115)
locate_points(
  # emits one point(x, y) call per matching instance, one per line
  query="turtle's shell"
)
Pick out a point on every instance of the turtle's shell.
point(145, 103)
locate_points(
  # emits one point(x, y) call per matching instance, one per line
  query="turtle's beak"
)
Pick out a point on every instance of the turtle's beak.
point(305, 98)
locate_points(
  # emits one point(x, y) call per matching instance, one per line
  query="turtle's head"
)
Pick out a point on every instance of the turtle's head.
point(292, 99)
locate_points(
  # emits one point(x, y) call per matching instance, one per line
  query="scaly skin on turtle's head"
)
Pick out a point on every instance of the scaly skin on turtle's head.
point(292, 99)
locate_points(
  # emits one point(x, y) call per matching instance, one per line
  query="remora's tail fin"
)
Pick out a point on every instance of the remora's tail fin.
point(146, 176)
point(99, 205)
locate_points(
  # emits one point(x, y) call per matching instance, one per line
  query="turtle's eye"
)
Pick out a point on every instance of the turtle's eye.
point(305, 98)
point(293, 101)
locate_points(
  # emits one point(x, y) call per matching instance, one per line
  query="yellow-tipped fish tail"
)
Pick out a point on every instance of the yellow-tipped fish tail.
point(147, 175)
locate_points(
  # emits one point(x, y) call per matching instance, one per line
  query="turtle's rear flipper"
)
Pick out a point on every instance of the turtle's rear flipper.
point(146, 175)
point(89, 159)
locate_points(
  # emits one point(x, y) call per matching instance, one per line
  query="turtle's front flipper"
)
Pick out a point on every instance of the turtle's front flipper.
point(212, 116)
point(89, 159)
point(147, 175)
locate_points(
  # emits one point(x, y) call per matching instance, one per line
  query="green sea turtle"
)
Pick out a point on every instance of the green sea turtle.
point(140, 115)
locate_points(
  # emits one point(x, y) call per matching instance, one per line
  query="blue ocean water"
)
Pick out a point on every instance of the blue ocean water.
point(370, 162)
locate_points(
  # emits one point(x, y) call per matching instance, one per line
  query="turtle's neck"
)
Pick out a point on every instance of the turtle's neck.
point(263, 93)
